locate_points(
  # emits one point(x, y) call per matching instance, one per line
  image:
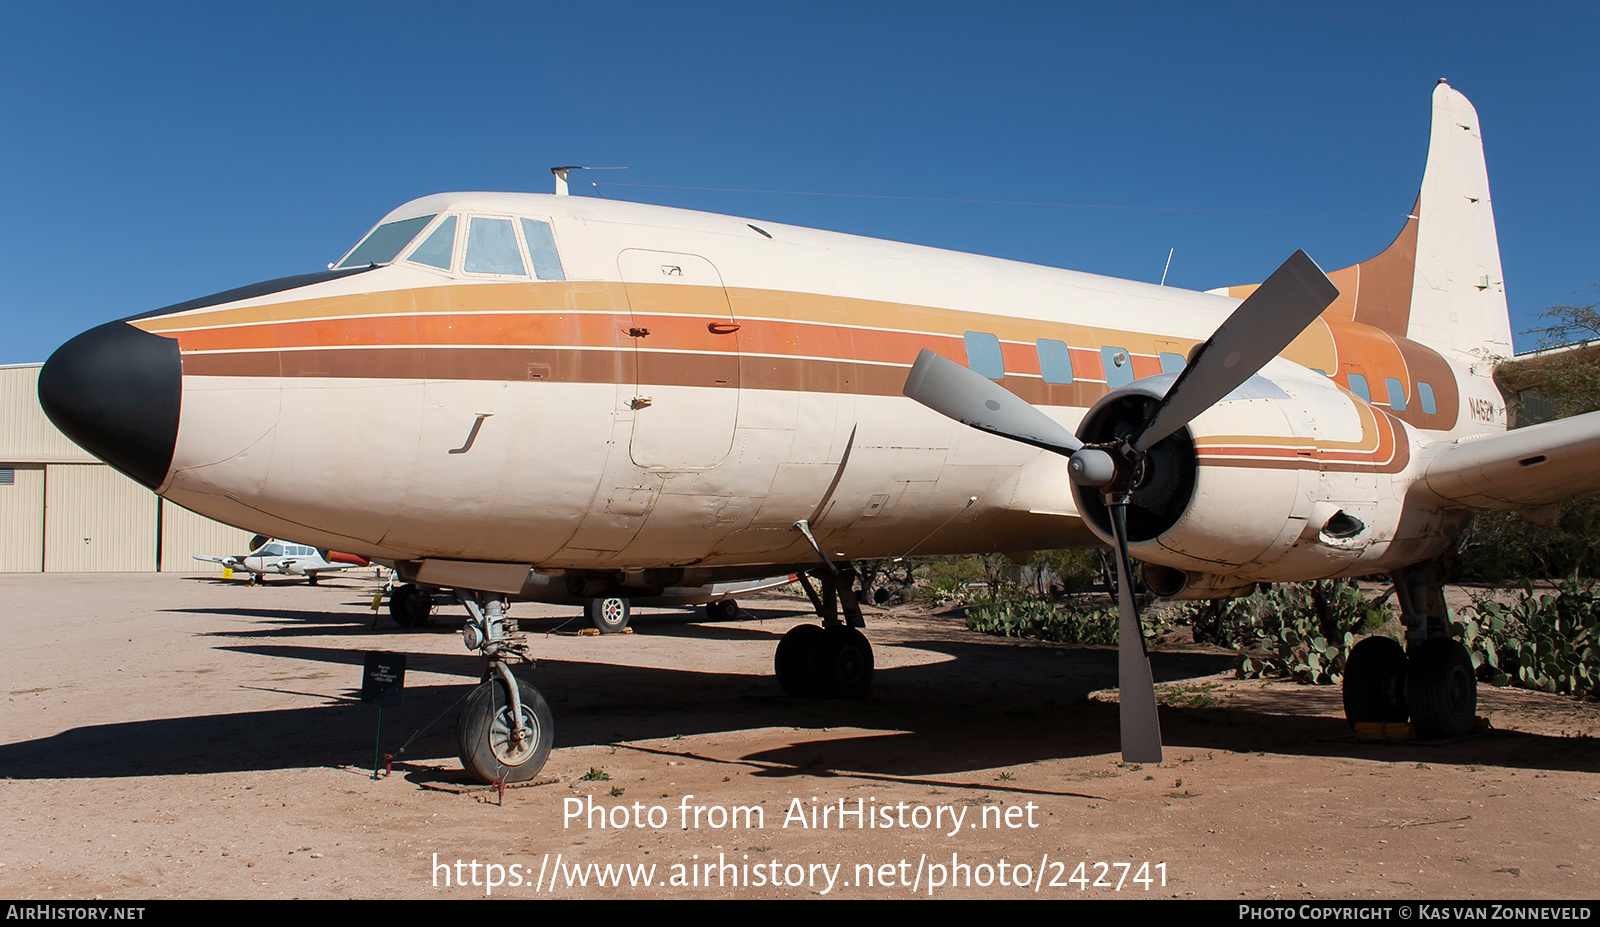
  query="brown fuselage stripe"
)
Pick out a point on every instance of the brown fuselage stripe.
point(416, 333)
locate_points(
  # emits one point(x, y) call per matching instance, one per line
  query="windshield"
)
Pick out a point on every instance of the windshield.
point(384, 242)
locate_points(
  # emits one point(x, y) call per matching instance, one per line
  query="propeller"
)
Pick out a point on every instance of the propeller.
point(1257, 331)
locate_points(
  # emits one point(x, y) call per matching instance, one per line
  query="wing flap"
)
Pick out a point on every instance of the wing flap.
point(1526, 468)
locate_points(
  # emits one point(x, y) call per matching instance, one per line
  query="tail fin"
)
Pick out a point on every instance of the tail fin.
point(1439, 281)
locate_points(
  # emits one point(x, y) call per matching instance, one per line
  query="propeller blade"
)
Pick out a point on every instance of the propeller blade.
point(973, 399)
point(1256, 332)
point(1136, 687)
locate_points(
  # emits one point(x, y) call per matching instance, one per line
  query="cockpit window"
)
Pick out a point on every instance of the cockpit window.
point(384, 242)
point(492, 248)
point(542, 249)
point(272, 550)
point(438, 249)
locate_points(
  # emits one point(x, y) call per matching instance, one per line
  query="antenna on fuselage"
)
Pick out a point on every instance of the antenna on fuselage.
point(1168, 267)
point(561, 176)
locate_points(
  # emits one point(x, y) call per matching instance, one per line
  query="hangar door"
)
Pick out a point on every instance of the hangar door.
point(97, 521)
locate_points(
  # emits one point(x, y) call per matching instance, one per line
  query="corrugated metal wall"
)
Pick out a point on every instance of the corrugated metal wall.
point(184, 534)
point(66, 512)
point(97, 521)
point(25, 433)
point(22, 520)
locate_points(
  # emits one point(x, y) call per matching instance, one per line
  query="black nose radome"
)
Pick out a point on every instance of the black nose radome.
point(115, 391)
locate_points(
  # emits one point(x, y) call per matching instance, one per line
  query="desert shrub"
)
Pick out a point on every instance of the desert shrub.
point(1540, 641)
point(1034, 618)
point(1301, 631)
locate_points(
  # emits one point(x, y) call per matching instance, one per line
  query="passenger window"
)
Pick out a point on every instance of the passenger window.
point(1425, 393)
point(439, 248)
point(384, 242)
point(983, 355)
point(542, 249)
point(492, 248)
point(1358, 385)
point(1172, 363)
point(1055, 361)
point(1397, 394)
point(1119, 366)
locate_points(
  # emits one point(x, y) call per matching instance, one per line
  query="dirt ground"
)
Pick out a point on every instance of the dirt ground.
point(187, 737)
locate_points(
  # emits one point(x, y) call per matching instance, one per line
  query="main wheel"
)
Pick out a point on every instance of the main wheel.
point(722, 610)
point(841, 663)
point(609, 616)
point(1375, 681)
point(1442, 689)
point(410, 606)
point(484, 733)
point(792, 661)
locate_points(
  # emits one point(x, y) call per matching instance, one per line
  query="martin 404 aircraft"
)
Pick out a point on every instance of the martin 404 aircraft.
point(497, 391)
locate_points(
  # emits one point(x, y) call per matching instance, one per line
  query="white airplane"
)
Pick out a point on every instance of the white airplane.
point(496, 390)
point(274, 556)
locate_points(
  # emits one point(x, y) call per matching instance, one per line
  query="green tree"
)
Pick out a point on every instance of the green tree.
point(1501, 546)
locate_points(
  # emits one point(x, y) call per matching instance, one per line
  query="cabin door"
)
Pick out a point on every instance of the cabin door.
point(686, 343)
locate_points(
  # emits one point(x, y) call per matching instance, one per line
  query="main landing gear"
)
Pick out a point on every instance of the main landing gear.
point(608, 615)
point(1431, 680)
point(831, 660)
point(504, 732)
point(410, 606)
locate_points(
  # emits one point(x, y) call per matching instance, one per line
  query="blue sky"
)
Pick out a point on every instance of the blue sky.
point(155, 152)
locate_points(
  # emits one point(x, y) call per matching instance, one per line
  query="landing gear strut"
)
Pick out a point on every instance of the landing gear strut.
point(833, 660)
point(504, 732)
point(1431, 680)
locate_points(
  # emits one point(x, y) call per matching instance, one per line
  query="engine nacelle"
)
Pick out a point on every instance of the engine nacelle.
point(1288, 477)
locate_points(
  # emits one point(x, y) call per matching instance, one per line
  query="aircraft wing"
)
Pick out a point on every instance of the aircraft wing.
point(212, 558)
point(1522, 469)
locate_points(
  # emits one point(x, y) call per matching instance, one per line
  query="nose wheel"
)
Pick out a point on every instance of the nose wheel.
point(504, 732)
point(492, 746)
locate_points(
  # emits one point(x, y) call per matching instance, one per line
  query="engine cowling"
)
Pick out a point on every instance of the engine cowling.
point(1287, 477)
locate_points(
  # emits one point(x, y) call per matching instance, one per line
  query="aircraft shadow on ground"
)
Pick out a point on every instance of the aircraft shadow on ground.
point(308, 622)
point(989, 707)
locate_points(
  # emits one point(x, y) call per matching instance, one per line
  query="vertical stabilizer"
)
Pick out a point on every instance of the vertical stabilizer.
point(1439, 281)
point(1458, 296)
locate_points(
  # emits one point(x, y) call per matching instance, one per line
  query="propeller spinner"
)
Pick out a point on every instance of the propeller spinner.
point(1260, 328)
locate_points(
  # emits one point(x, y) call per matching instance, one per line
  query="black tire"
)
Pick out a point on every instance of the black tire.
point(722, 610)
point(410, 606)
point(608, 615)
point(1375, 682)
point(792, 661)
point(841, 663)
point(1442, 689)
point(483, 734)
point(311, 579)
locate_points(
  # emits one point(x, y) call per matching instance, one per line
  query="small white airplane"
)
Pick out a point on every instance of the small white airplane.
point(273, 556)
point(495, 391)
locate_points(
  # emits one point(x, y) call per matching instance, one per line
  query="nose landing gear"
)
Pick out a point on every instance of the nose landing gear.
point(504, 732)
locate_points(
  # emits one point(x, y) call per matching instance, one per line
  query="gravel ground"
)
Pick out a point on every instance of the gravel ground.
point(188, 737)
